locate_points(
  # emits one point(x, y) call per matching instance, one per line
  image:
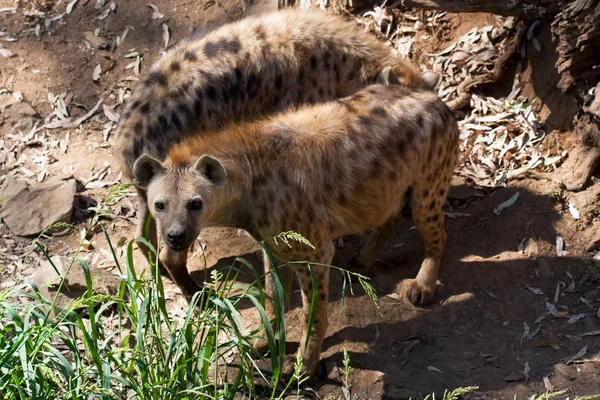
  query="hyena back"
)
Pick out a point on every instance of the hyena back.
point(329, 170)
point(253, 67)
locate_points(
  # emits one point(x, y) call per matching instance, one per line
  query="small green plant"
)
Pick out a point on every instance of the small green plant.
point(454, 394)
point(346, 372)
point(130, 345)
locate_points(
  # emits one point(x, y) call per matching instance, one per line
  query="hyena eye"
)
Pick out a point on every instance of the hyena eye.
point(195, 205)
point(159, 205)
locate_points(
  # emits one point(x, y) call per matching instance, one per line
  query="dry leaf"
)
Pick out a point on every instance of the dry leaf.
point(166, 35)
point(156, 14)
point(547, 384)
point(574, 212)
point(434, 369)
point(506, 204)
point(575, 318)
point(560, 243)
point(110, 113)
point(96, 74)
point(534, 290)
point(70, 6)
point(526, 370)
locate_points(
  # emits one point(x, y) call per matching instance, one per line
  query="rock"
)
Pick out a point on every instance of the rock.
point(48, 281)
point(28, 210)
point(460, 190)
point(595, 106)
point(18, 110)
point(531, 248)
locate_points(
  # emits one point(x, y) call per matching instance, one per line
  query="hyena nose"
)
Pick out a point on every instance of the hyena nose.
point(176, 237)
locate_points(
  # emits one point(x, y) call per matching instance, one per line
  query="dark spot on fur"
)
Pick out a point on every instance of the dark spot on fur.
point(348, 107)
point(322, 296)
point(321, 92)
point(145, 108)
point(211, 49)
point(419, 121)
point(357, 97)
point(425, 193)
point(313, 62)
point(278, 82)
point(134, 105)
point(175, 66)
point(211, 93)
point(364, 121)
point(231, 46)
point(311, 99)
point(436, 218)
point(252, 85)
point(344, 59)
point(138, 128)
point(157, 78)
point(436, 241)
point(376, 167)
point(432, 205)
point(301, 76)
point(442, 191)
point(342, 198)
point(379, 112)
point(259, 31)
point(190, 56)
point(176, 121)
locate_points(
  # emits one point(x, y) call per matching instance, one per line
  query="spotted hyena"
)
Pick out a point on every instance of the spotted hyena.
point(256, 66)
point(327, 170)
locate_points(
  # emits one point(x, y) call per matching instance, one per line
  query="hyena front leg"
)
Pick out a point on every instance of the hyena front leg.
point(260, 344)
point(427, 203)
point(175, 263)
point(312, 341)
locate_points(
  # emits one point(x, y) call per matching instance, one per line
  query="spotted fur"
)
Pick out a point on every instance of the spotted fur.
point(257, 66)
point(324, 171)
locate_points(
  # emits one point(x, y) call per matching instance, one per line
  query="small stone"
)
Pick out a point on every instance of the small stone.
point(531, 248)
point(28, 210)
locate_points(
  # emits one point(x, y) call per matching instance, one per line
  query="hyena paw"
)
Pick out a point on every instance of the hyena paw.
point(418, 293)
point(308, 368)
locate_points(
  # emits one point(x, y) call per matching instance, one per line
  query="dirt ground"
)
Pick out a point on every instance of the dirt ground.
point(503, 319)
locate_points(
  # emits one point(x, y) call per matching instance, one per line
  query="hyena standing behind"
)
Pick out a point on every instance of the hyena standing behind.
point(325, 171)
point(253, 67)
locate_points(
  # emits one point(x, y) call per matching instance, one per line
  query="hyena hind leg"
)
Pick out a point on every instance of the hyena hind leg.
point(427, 206)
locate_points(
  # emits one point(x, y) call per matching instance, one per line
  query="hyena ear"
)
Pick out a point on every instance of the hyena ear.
point(146, 168)
point(387, 77)
point(431, 79)
point(211, 169)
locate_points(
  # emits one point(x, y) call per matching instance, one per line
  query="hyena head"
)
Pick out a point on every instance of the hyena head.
point(177, 195)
